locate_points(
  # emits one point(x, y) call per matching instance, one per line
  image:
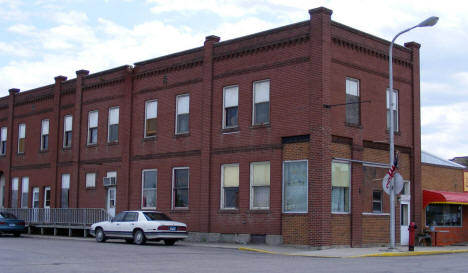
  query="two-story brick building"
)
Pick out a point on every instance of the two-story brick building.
point(279, 134)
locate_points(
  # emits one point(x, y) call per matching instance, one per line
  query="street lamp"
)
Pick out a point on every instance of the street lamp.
point(429, 22)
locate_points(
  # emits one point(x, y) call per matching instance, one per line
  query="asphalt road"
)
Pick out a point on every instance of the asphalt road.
point(70, 255)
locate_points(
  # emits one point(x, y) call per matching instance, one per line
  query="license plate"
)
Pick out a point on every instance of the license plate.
point(12, 225)
point(173, 228)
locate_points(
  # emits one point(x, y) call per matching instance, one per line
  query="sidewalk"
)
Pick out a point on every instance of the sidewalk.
point(339, 252)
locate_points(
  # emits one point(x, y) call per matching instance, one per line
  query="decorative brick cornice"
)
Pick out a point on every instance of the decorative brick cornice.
point(231, 150)
point(68, 91)
point(3, 119)
point(252, 69)
point(262, 47)
point(177, 84)
point(101, 161)
point(33, 113)
point(108, 98)
point(342, 140)
point(167, 155)
point(66, 106)
point(175, 67)
point(103, 83)
point(32, 166)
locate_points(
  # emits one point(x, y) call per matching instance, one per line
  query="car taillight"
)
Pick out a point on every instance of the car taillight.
point(21, 223)
point(181, 228)
point(163, 228)
point(2, 223)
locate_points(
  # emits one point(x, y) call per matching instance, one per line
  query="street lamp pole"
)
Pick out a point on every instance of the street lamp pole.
point(426, 23)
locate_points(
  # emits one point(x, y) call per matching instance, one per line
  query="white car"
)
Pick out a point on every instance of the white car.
point(139, 226)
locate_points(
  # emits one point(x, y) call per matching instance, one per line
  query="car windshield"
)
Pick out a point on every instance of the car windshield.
point(7, 215)
point(155, 216)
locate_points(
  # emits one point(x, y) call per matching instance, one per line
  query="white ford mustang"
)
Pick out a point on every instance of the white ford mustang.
point(139, 226)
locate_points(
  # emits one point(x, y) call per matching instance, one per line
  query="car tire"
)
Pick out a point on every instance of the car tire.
point(17, 234)
point(100, 236)
point(169, 242)
point(139, 237)
point(129, 241)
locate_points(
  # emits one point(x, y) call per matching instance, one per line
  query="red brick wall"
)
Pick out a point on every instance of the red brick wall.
point(341, 229)
point(375, 229)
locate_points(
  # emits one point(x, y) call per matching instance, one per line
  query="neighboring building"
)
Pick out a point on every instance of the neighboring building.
point(445, 199)
point(462, 160)
point(246, 136)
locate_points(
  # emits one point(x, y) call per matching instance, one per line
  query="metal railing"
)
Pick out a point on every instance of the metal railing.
point(58, 216)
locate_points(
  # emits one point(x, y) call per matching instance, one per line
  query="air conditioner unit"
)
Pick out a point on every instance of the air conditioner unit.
point(109, 181)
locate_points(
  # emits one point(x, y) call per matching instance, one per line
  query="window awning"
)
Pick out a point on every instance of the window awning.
point(444, 197)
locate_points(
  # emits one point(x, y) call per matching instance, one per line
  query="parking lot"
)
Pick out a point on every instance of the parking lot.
point(63, 254)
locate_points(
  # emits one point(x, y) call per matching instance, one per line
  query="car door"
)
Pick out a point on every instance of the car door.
point(114, 228)
point(129, 223)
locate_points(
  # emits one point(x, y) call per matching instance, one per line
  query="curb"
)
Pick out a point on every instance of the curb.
point(280, 253)
point(412, 253)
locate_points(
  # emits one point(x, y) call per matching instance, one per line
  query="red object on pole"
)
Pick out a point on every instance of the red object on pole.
point(412, 230)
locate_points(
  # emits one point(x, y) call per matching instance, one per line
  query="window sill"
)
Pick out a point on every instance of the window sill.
point(112, 143)
point(376, 214)
point(91, 145)
point(258, 126)
point(352, 125)
point(43, 151)
point(295, 213)
point(3, 155)
point(177, 135)
point(20, 154)
point(230, 130)
point(228, 211)
point(150, 138)
point(259, 211)
point(91, 188)
point(341, 213)
point(66, 148)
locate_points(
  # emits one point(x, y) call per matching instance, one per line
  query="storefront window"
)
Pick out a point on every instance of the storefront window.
point(443, 215)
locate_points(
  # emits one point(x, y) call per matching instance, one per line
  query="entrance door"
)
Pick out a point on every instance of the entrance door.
point(404, 222)
point(35, 205)
point(2, 190)
point(111, 201)
point(47, 197)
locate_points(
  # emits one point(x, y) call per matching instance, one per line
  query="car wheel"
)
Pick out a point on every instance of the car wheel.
point(139, 237)
point(17, 234)
point(169, 242)
point(100, 237)
point(129, 241)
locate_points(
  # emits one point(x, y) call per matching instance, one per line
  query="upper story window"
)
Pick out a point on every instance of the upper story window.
point(261, 102)
point(230, 106)
point(92, 127)
point(67, 131)
point(353, 107)
point(113, 128)
point(230, 186)
point(394, 108)
point(295, 186)
point(151, 116)
point(260, 185)
point(21, 137)
point(3, 139)
point(341, 180)
point(182, 114)
point(45, 135)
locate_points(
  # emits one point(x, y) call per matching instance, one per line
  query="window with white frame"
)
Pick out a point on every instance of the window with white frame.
point(341, 178)
point(180, 187)
point(295, 186)
point(65, 190)
point(261, 102)
point(149, 188)
point(260, 185)
point(113, 128)
point(394, 108)
point(90, 180)
point(182, 113)
point(3, 139)
point(45, 135)
point(92, 127)
point(67, 131)
point(24, 191)
point(377, 201)
point(21, 137)
point(230, 186)
point(230, 106)
point(353, 115)
point(14, 192)
point(151, 116)
point(35, 198)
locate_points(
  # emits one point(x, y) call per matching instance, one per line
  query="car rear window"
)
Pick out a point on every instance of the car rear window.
point(7, 215)
point(155, 216)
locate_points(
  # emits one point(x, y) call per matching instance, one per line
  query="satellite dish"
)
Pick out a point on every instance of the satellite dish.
point(397, 183)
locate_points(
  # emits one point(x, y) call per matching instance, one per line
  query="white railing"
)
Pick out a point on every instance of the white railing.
point(58, 216)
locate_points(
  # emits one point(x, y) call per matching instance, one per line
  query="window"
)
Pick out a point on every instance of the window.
point(229, 186)
point(14, 192)
point(65, 189)
point(35, 198)
point(395, 110)
point(90, 180)
point(21, 137)
point(45, 135)
point(182, 116)
point(67, 133)
point(230, 105)
point(295, 186)
point(149, 191)
point(180, 188)
point(24, 192)
point(377, 201)
point(443, 215)
point(260, 185)
point(47, 197)
point(261, 107)
point(3, 139)
point(92, 127)
point(341, 177)
point(353, 115)
point(151, 115)
point(113, 128)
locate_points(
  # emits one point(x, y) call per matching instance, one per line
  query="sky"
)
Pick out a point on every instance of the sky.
point(41, 39)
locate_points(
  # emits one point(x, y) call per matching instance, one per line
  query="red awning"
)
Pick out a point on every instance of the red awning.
point(444, 197)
